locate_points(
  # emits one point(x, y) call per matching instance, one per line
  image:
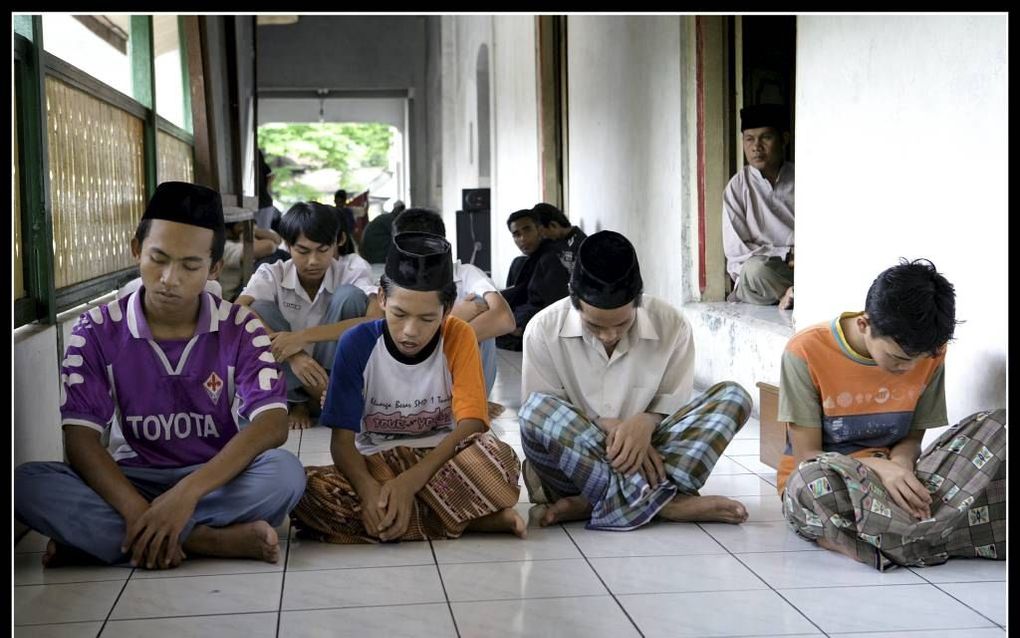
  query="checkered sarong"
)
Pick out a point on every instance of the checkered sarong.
point(481, 479)
point(568, 453)
point(838, 498)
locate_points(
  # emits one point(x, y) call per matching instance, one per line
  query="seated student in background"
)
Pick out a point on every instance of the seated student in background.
point(264, 249)
point(857, 394)
point(308, 301)
point(478, 300)
point(186, 386)
point(413, 457)
point(608, 426)
point(378, 235)
point(554, 225)
point(757, 220)
point(536, 279)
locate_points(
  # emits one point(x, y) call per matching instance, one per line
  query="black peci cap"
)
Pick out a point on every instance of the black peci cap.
point(606, 274)
point(419, 261)
point(762, 115)
point(186, 203)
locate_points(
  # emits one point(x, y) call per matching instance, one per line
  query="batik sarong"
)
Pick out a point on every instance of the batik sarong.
point(838, 498)
point(481, 479)
point(568, 454)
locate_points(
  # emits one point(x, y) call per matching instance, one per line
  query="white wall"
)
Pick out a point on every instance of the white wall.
point(37, 433)
point(626, 115)
point(513, 115)
point(901, 137)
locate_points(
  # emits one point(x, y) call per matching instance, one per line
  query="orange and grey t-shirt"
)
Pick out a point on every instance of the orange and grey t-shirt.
point(825, 383)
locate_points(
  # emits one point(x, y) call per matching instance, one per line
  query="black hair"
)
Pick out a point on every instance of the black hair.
point(341, 195)
point(575, 301)
point(913, 305)
point(447, 294)
point(419, 219)
point(346, 247)
point(547, 214)
point(521, 214)
point(318, 222)
point(215, 251)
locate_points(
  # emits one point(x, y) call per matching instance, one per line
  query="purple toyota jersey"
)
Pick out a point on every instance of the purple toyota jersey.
point(169, 403)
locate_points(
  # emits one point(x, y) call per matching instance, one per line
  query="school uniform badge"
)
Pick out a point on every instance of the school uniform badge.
point(213, 386)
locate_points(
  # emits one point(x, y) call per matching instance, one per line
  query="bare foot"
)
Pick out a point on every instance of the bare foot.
point(704, 509)
point(58, 555)
point(507, 520)
point(256, 540)
point(786, 302)
point(495, 409)
point(570, 508)
point(299, 418)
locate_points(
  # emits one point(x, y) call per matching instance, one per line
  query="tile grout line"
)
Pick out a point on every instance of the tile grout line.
point(936, 586)
point(117, 600)
point(599, 576)
point(442, 583)
point(767, 584)
point(283, 579)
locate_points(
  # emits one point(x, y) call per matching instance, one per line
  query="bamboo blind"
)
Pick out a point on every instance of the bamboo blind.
point(97, 183)
point(19, 272)
point(174, 161)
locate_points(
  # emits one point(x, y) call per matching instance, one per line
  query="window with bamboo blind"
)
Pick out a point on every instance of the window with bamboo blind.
point(97, 183)
point(174, 159)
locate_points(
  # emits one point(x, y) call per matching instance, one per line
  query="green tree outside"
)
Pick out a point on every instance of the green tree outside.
point(343, 147)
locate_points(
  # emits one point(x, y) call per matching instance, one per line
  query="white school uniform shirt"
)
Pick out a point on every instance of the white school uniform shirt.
point(278, 282)
point(757, 217)
point(471, 279)
point(651, 370)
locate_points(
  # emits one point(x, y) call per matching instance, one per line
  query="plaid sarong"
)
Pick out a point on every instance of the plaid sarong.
point(568, 453)
point(842, 500)
point(481, 479)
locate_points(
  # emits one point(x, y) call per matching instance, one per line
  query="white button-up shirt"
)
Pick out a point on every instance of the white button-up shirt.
point(651, 370)
point(471, 279)
point(278, 282)
point(757, 217)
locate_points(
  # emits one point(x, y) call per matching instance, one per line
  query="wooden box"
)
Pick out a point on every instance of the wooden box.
point(772, 436)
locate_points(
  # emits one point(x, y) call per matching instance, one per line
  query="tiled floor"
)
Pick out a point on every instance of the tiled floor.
point(666, 579)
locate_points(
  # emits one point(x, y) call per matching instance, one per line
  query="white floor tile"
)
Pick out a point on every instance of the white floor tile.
point(963, 570)
point(743, 447)
point(726, 466)
point(737, 485)
point(990, 632)
point(762, 509)
point(751, 430)
point(361, 587)
point(77, 602)
point(751, 462)
point(758, 537)
point(735, 613)
point(821, 569)
point(587, 617)
point(235, 594)
point(669, 574)
point(527, 579)
point(542, 544)
point(227, 626)
point(399, 621)
point(33, 542)
point(654, 539)
point(988, 599)
point(316, 439)
point(306, 555)
point(208, 566)
point(66, 630)
point(309, 459)
point(28, 570)
point(889, 608)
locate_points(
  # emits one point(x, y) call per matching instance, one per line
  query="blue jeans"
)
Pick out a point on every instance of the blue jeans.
point(348, 302)
point(54, 500)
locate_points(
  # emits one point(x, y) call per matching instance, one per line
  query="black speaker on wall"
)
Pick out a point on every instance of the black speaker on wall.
point(473, 229)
